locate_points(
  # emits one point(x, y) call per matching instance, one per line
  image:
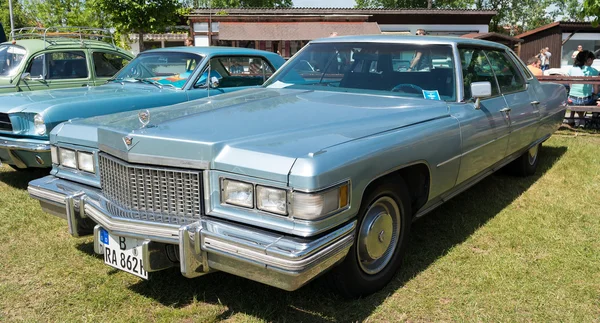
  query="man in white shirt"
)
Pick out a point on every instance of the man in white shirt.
point(547, 62)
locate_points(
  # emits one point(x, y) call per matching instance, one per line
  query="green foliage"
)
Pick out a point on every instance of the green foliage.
point(19, 16)
point(591, 8)
point(140, 16)
point(49, 13)
point(239, 3)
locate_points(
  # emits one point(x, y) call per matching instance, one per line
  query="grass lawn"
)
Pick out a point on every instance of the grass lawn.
point(509, 249)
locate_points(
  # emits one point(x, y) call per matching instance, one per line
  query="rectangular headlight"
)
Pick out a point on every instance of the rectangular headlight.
point(54, 154)
point(272, 200)
point(237, 193)
point(312, 206)
point(86, 162)
point(67, 157)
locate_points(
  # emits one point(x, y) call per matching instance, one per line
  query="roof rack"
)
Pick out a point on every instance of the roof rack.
point(56, 35)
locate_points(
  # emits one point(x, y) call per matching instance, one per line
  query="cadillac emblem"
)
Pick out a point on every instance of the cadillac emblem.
point(128, 141)
point(144, 117)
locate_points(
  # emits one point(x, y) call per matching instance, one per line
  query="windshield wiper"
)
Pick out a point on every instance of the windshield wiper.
point(155, 83)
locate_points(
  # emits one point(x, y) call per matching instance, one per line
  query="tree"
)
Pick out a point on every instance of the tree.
point(50, 13)
point(19, 17)
point(140, 17)
point(240, 3)
point(591, 8)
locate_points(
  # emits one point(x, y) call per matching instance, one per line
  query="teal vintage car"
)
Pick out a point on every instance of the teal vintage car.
point(154, 78)
point(321, 169)
point(59, 57)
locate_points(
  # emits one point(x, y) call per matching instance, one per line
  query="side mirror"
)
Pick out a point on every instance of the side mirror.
point(214, 82)
point(480, 90)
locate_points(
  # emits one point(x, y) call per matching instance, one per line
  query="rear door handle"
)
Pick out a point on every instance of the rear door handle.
point(506, 110)
point(535, 102)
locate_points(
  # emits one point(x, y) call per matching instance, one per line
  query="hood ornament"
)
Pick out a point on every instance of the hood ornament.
point(144, 117)
point(128, 142)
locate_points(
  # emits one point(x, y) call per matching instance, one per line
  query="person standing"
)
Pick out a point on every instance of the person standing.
point(422, 59)
point(574, 55)
point(547, 63)
point(542, 57)
point(582, 94)
point(189, 41)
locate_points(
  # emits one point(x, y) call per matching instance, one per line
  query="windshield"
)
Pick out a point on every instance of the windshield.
point(160, 68)
point(409, 70)
point(11, 57)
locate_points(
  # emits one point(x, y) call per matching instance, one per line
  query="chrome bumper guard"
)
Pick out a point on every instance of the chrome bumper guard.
point(11, 146)
point(283, 261)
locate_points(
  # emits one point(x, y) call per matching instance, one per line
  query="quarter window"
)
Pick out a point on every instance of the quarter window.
point(507, 73)
point(108, 64)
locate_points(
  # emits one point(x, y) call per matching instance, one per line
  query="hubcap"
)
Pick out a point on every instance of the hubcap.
point(378, 235)
point(533, 152)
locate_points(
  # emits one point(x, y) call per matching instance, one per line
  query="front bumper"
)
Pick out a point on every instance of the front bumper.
point(25, 153)
point(283, 261)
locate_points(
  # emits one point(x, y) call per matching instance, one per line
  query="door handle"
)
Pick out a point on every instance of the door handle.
point(535, 102)
point(505, 110)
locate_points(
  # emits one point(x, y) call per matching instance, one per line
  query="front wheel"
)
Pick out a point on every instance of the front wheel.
point(380, 240)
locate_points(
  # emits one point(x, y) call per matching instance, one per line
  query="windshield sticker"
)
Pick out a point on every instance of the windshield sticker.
point(431, 95)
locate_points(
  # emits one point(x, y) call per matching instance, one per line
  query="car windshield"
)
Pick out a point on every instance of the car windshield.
point(409, 70)
point(160, 68)
point(11, 57)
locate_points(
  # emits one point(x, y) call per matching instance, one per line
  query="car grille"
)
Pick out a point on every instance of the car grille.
point(150, 193)
point(5, 124)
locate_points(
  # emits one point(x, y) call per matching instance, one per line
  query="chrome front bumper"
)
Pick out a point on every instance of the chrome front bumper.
point(283, 261)
point(26, 153)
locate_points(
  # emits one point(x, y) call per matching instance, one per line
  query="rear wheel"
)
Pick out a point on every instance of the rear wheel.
point(380, 240)
point(526, 164)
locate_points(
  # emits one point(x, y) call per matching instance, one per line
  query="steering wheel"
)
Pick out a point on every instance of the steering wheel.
point(412, 88)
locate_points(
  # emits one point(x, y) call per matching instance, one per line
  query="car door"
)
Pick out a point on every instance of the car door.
point(485, 129)
point(58, 69)
point(233, 73)
point(106, 64)
point(523, 112)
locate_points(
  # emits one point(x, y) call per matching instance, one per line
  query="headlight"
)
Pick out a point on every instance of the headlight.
point(39, 127)
point(54, 154)
point(237, 193)
point(67, 158)
point(271, 200)
point(85, 161)
point(311, 206)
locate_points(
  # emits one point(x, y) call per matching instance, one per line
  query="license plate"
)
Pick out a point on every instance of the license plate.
point(123, 253)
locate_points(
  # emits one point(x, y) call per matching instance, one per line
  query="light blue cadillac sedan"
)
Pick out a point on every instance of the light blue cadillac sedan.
point(321, 169)
point(154, 78)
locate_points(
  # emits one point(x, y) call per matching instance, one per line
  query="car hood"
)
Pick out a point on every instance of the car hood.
point(38, 101)
point(257, 129)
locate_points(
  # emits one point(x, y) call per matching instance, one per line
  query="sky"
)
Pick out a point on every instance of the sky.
point(324, 3)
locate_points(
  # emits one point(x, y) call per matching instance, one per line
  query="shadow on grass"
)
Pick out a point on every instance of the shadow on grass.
point(431, 238)
point(20, 179)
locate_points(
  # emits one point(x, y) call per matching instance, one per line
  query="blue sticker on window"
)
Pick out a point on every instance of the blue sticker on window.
point(104, 236)
point(431, 95)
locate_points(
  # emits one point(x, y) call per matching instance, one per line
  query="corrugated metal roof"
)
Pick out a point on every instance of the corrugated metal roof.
point(293, 30)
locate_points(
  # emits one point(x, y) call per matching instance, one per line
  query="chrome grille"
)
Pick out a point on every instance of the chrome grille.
point(150, 193)
point(5, 124)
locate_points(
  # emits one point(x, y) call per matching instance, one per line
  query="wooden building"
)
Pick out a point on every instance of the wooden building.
point(562, 39)
point(286, 30)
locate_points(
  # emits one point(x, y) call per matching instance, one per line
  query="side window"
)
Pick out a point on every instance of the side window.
point(108, 64)
point(476, 68)
point(66, 65)
point(509, 77)
point(236, 71)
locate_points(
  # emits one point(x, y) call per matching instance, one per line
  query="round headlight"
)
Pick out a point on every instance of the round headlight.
point(39, 127)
